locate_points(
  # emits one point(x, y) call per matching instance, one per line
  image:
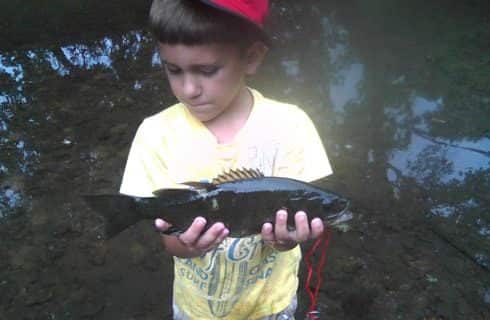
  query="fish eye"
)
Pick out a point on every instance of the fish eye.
point(336, 206)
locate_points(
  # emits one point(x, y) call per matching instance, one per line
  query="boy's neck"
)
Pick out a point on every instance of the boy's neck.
point(226, 126)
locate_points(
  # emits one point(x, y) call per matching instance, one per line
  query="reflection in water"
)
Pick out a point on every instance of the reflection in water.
point(77, 56)
point(47, 56)
point(101, 53)
point(36, 65)
point(429, 158)
point(81, 56)
point(344, 90)
point(291, 68)
point(346, 72)
point(137, 85)
point(421, 108)
point(441, 161)
point(10, 69)
point(155, 59)
point(423, 159)
point(23, 74)
point(10, 200)
point(446, 210)
point(440, 166)
point(26, 156)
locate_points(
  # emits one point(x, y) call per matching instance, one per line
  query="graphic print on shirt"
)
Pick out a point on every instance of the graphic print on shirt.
point(261, 157)
point(222, 276)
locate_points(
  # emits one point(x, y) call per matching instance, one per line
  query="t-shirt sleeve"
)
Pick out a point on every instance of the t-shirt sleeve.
point(146, 169)
point(303, 157)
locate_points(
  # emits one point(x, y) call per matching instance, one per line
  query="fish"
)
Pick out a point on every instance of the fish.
point(242, 199)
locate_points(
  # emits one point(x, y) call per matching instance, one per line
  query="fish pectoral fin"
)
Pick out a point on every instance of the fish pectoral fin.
point(206, 186)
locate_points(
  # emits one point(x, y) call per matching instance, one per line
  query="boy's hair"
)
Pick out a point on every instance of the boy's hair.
point(191, 22)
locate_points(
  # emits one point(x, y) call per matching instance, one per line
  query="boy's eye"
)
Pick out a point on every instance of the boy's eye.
point(208, 71)
point(172, 70)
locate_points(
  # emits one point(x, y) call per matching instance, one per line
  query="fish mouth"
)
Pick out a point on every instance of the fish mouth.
point(341, 212)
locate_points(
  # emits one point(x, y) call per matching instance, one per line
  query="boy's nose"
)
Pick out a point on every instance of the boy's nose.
point(191, 87)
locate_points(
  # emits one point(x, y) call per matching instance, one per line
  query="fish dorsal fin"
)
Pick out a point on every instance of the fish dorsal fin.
point(238, 174)
point(200, 185)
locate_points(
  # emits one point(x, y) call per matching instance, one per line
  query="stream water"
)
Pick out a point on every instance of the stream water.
point(399, 94)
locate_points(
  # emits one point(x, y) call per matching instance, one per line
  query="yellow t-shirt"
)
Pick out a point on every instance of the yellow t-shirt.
point(241, 278)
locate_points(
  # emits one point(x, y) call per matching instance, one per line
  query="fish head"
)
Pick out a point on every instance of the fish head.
point(336, 210)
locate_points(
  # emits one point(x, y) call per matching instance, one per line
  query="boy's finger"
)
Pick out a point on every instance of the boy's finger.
point(267, 233)
point(316, 228)
point(222, 236)
point(302, 227)
point(161, 225)
point(210, 236)
point(218, 240)
point(280, 229)
point(191, 235)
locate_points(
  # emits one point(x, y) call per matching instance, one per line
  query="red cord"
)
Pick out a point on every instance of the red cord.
point(324, 240)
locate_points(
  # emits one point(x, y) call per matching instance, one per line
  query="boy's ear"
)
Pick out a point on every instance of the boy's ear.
point(254, 55)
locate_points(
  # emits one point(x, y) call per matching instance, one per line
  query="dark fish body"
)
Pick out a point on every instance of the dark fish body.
point(243, 205)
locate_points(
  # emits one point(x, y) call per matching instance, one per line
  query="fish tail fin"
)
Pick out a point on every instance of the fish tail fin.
point(119, 211)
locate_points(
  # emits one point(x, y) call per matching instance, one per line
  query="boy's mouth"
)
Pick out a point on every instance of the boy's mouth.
point(197, 105)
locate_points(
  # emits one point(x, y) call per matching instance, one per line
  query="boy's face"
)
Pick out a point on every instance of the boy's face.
point(207, 78)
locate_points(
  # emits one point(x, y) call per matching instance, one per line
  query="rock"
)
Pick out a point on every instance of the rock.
point(357, 305)
point(421, 265)
point(26, 257)
point(55, 251)
point(351, 264)
point(39, 219)
point(61, 229)
point(151, 263)
point(49, 278)
point(83, 245)
point(98, 257)
point(32, 277)
point(119, 129)
point(79, 296)
point(92, 308)
point(138, 253)
point(111, 277)
point(405, 287)
point(39, 296)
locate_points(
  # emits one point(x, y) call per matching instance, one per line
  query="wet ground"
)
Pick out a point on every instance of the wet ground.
point(399, 92)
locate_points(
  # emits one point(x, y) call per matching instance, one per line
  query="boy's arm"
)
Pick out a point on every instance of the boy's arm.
point(192, 242)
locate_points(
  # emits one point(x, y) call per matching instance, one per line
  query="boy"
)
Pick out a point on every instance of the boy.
point(208, 47)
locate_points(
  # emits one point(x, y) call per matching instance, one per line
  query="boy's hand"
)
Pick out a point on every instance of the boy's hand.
point(193, 242)
point(280, 238)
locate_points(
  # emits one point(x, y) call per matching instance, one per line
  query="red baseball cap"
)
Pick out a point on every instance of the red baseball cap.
point(254, 11)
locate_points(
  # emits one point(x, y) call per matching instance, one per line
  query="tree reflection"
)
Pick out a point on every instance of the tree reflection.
point(34, 117)
point(419, 107)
